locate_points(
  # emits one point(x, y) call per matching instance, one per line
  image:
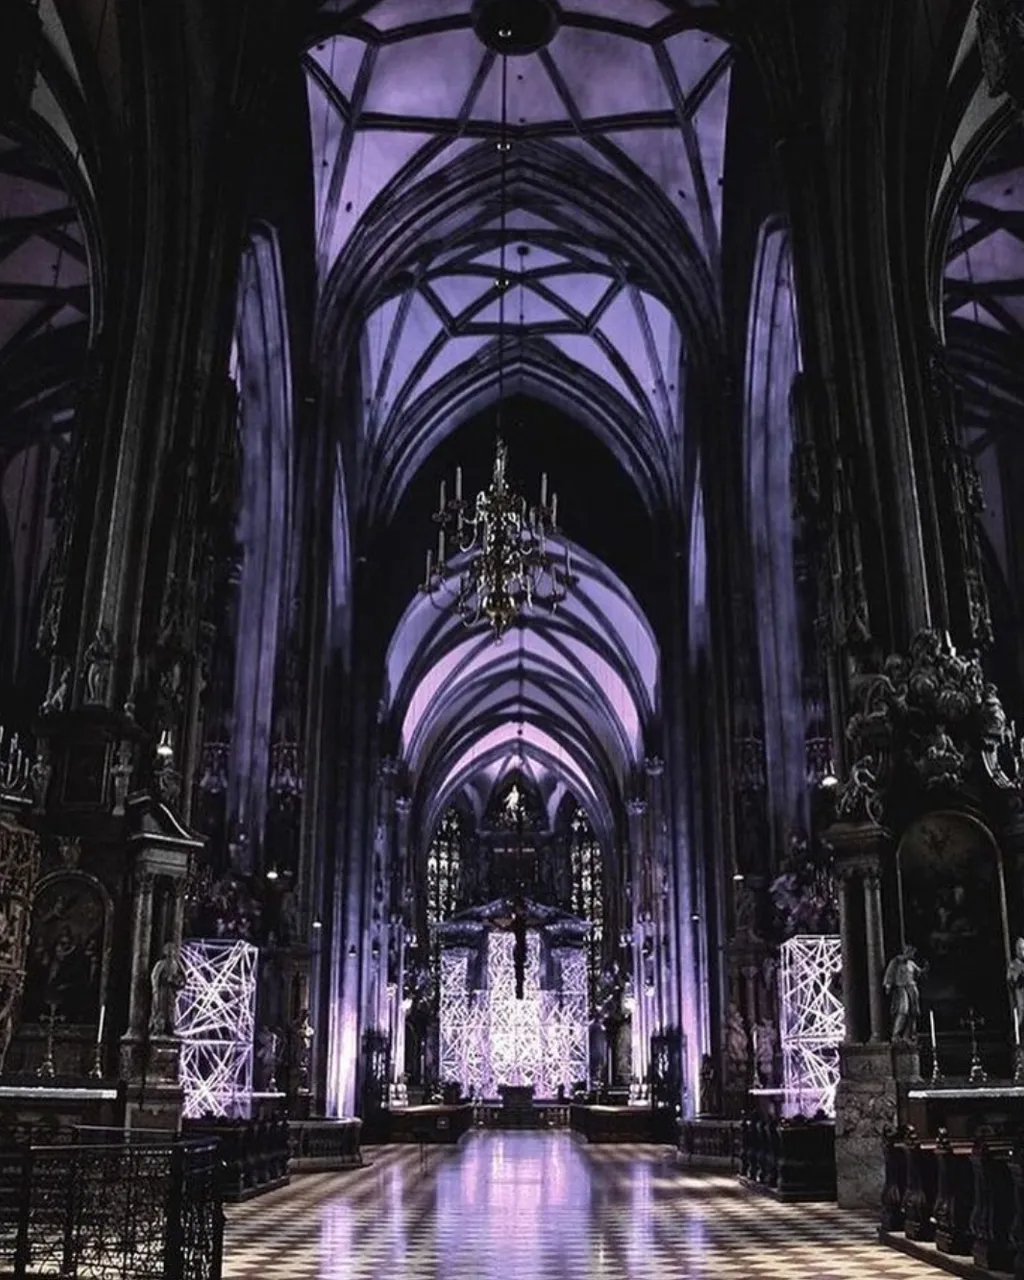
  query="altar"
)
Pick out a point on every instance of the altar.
point(514, 1002)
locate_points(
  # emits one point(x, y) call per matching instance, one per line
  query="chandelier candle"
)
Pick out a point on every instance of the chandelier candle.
point(500, 561)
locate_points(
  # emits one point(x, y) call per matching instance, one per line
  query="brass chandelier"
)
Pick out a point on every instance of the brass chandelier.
point(500, 560)
point(493, 559)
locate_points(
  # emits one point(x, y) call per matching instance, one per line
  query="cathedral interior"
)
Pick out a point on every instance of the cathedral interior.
point(387, 841)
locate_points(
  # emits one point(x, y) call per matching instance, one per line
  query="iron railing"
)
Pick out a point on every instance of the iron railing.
point(148, 1208)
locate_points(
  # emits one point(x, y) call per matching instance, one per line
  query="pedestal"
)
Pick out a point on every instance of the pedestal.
point(867, 1100)
point(153, 1095)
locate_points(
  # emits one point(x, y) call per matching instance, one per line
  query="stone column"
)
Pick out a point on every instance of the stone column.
point(142, 927)
point(868, 1096)
point(403, 807)
point(665, 1000)
point(406, 910)
point(874, 946)
point(847, 934)
point(161, 848)
point(640, 1023)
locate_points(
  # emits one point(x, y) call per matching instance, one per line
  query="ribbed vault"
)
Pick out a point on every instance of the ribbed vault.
point(984, 320)
point(608, 203)
point(984, 285)
point(45, 291)
point(49, 312)
point(574, 693)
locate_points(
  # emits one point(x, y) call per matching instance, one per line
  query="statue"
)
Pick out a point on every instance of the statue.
point(765, 1051)
point(900, 984)
point(57, 695)
point(10, 991)
point(611, 995)
point(707, 1085)
point(303, 1031)
point(166, 980)
point(737, 1046)
point(269, 1046)
point(1015, 981)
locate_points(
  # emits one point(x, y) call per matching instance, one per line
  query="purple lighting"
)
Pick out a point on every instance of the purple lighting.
point(491, 1037)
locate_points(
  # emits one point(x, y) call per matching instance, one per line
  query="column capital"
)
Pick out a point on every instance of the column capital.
point(636, 808)
point(858, 845)
point(654, 766)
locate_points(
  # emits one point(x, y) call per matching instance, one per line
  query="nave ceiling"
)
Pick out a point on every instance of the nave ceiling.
point(605, 215)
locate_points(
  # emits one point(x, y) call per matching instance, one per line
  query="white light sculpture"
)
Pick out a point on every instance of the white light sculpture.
point(813, 1022)
point(217, 1023)
point(489, 1038)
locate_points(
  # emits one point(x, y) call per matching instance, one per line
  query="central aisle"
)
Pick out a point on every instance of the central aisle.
point(542, 1206)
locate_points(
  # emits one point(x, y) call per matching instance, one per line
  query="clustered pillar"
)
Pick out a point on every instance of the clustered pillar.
point(872, 1071)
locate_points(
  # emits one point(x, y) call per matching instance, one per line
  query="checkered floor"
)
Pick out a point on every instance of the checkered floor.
point(542, 1206)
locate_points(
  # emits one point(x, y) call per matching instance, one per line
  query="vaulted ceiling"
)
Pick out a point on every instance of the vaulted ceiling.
point(572, 692)
point(983, 305)
point(984, 285)
point(44, 291)
point(547, 225)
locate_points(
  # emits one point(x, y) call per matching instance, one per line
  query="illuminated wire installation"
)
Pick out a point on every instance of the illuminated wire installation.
point(489, 1038)
point(813, 1022)
point(217, 1023)
point(588, 889)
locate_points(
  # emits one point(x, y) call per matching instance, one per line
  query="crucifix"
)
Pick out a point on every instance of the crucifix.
point(47, 1069)
point(973, 1022)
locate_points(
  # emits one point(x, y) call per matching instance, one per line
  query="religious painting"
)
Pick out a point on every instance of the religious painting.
point(68, 943)
point(953, 910)
point(19, 866)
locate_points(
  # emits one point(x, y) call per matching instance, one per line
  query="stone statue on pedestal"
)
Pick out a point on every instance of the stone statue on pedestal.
point(304, 1034)
point(166, 980)
point(268, 1054)
point(900, 982)
point(707, 1085)
point(764, 1051)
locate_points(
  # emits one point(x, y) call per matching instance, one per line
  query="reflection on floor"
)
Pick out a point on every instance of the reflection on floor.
point(542, 1206)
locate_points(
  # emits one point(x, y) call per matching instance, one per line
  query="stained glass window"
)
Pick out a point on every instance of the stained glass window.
point(443, 867)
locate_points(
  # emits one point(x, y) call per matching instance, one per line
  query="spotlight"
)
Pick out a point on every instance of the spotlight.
point(272, 873)
point(317, 924)
point(695, 918)
point(352, 951)
point(738, 877)
point(829, 780)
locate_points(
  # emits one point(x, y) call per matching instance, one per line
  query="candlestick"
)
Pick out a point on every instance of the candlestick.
point(47, 1068)
point(458, 484)
point(1016, 1027)
point(544, 489)
point(936, 1079)
point(443, 503)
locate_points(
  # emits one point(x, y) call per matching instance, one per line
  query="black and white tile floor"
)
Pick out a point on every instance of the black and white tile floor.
point(543, 1206)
